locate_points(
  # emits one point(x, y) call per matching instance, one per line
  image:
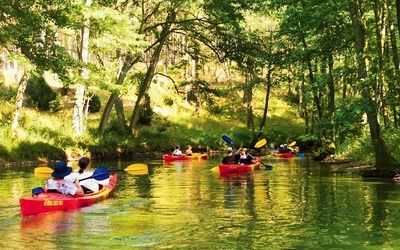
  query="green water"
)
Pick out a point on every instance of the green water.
point(299, 204)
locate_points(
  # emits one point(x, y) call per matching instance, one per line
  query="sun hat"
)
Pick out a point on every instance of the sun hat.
point(229, 149)
point(244, 149)
point(61, 170)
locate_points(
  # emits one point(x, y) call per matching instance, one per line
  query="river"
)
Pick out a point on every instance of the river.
point(299, 204)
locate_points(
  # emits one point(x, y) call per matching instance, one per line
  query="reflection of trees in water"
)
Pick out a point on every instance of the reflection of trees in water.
point(240, 188)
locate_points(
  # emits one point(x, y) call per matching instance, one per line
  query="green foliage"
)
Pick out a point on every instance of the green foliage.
point(114, 128)
point(56, 104)
point(94, 103)
point(168, 101)
point(146, 113)
point(29, 150)
point(3, 152)
point(8, 94)
point(41, 94)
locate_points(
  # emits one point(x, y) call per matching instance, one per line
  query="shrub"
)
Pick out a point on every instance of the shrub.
point(56, 104)
point(40, 93)
point(8, 94)
point(94, 103)
point(168, 101)
point(146, 113)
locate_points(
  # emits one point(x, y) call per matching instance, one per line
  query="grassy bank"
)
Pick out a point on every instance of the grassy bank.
point(43, 136)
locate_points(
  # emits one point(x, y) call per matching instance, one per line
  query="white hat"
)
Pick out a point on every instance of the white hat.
point(229, 149)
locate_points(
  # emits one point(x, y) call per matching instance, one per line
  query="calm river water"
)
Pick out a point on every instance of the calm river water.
point(299, 204)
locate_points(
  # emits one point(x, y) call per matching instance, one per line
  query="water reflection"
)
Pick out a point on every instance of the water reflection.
point(297, 205)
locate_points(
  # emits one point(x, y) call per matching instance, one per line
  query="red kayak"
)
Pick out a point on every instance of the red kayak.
point(238, 168)
point(195, 156)
point(48, 202)
point(284, 155)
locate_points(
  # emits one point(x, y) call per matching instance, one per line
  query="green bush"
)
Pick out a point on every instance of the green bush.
point(94, 103)
point(29, 150)
point(168, 101)
point(56, 105)
point(146, 113)
point(40, 93)
point(3, 152)
point(8, 94)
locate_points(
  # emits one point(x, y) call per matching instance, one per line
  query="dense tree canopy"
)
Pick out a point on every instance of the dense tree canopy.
point(337, 61)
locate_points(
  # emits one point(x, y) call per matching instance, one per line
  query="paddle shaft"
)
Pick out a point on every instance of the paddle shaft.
point(258, 160)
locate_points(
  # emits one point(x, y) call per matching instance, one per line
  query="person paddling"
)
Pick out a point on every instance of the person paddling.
point(58, 184)
point(89, 185)
point(231, 158)
point(177, 151)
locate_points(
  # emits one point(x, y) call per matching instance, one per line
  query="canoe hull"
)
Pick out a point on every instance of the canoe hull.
point(285, 155)
point(195, 156)
point(48, 202)
point(238, 168)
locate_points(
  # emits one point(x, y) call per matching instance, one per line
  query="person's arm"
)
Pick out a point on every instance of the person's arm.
point(79, 192)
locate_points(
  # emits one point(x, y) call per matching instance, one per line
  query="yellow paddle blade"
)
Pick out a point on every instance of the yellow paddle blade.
point(215, 169)
point(136, 167)
point(43, 170)
point(292, 144)
point(332, 145)
point(138, 171)
point(43, 175)
point(260, 143)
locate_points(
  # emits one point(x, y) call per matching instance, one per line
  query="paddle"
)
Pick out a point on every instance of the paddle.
point(259, 144)
point(137, 168)
point(43, 170)
point(292, 144)
point(227, 139)
point(99, 174)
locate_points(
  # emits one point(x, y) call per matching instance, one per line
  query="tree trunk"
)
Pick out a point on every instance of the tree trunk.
point(384, 161)
point(106, 112)
point(18, 104)
point(264, 117)
point(331, 94)
point(77, 118)
point(396, 65)
point(151, 71)
point(398, 15)
point(126, 66)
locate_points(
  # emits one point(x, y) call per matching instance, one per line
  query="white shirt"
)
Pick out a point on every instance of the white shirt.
point(91, 184)
point(177, 152)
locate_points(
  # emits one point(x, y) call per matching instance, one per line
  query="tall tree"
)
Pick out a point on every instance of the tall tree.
point(384, 161)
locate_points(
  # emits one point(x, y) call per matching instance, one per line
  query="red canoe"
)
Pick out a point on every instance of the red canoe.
point(48, 202)
point(195, 156)
point(238, 168)
point(284, 155)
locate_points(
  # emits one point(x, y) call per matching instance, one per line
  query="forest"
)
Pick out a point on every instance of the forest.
point(114, 78)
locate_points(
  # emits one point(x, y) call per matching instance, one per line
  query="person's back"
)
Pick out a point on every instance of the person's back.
point(245, 158)
point(177, 151)
point(231, 158)
point(285, 150)
point(59, 184)
point(89, 185)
